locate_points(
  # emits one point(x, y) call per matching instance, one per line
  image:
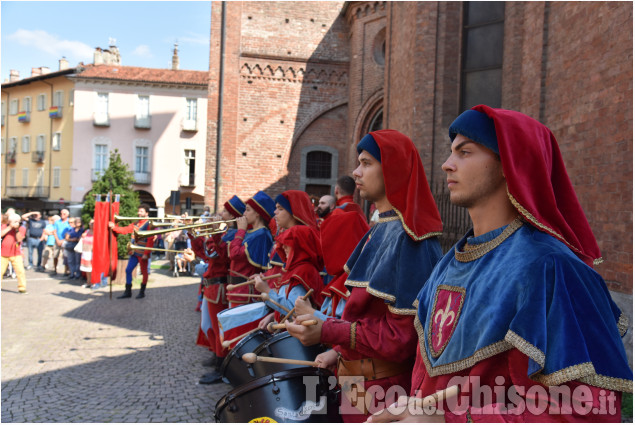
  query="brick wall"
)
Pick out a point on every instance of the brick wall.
point(286, 68)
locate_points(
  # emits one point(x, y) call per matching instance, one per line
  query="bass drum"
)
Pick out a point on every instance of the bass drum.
point(283, 346)
point(234, 370)
point(305, 394)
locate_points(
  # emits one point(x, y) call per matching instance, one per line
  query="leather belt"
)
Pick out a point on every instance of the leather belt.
point(214, 281)
point(370, 368)
point(235, 279)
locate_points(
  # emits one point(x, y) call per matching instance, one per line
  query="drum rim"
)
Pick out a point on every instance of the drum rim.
point(239, 345)
point(269, 379)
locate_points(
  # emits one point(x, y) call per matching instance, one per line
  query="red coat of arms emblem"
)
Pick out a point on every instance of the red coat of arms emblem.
point(445, 315)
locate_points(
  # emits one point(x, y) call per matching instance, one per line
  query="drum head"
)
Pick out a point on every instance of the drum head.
point(234, 370)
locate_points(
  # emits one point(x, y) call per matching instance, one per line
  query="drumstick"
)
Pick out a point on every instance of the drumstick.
point(252, 281)
point(246, 295)
point(304, 297)
point(284, 325)
point(226, 344)
point(253, 358)
point(265, 297)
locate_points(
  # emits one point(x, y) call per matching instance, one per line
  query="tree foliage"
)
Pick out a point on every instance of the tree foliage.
point(119, 178)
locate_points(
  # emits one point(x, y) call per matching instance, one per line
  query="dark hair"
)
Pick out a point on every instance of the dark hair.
point(346, 185)
point(145, 207)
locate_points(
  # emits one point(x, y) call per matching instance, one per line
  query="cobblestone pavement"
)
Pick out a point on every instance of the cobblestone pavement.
point(70, 354)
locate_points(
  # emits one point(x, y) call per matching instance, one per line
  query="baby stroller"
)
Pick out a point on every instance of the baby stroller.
point(181, 266)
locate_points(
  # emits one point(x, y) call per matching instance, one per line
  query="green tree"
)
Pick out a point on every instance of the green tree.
point(119, 178)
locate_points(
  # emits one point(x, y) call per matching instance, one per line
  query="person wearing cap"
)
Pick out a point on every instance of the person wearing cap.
point(137, 256)
point(293, 208)
point(516, 305)
point(249, 250)
point(375, 340)
point(213, 250)
point(339, 235)
point(299, 249)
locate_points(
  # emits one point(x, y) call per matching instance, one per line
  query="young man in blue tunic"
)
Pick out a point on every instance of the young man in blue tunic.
point(514, 314)
point(375, 342)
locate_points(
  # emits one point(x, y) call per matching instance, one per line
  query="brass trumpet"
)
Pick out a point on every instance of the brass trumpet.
point(132, 246)
point(147, 233)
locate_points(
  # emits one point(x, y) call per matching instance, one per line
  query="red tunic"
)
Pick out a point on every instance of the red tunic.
point(213, 295)
point(377, 333)
point(147, 242)
point(240, 267)
point(346, 203)
point(487, 399)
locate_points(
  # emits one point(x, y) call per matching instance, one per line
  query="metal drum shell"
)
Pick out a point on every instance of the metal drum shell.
point(234, 370)
point(282, 397)
point(283, 345)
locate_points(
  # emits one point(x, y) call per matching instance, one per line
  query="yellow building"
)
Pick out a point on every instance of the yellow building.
point(37, 140)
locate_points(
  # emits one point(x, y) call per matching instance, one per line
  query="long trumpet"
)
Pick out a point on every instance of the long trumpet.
point(147, 233)
point(132, 246)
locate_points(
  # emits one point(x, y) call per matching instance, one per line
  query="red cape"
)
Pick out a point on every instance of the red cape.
point(407, 186)
point(537, 181)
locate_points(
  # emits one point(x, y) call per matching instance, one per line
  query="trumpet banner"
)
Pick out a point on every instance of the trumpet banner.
point(100, 242)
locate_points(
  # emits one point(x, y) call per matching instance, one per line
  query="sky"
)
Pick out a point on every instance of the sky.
point(40, 33)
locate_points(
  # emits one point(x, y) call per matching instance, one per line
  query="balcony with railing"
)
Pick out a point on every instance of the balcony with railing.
point(96, 173)
point(24, 116)
point(28, 191)
point(9, 157)
point(55, 112)
point(188, 125)
point(38, 156)
point(143, 122)
point(101, 119)
point(187, 180)
point(142, 178)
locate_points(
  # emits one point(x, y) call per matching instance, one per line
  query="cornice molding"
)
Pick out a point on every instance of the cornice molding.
point(362, 9)
point(329, 75)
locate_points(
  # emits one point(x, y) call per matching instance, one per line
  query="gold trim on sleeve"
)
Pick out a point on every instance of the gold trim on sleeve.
point(622, 324)
point(353, 335)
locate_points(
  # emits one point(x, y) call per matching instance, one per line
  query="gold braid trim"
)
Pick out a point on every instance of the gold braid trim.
point(253, 263)
point(482, 354)
point(474, 252)
point(411, 233)
point(382, 295)
point(529, 216)
point(571, 373)
point(622, 324)
point(356, 283)
point(387, 219)
point(615, 384)
point(415, 303)
point(353, 335)
point(526, 348)
point(402, 311)
point(346, 269)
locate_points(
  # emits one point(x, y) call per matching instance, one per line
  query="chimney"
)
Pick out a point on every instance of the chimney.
point(63, 63)
point(98, 58)
point(36, 71)
point(45, 70)
point(175, 57)
point(14, 75)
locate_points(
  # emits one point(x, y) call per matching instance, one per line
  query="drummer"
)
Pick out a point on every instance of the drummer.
point(375, 339)
point(300, 250)
point(339, 235)
point(249, 249)
point(293, 208)
point(213, 250)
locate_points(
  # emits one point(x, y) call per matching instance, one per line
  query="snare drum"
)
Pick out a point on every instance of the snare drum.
point(234, 370)
point(306, 394)
point(233, 322)
point(285, 346)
